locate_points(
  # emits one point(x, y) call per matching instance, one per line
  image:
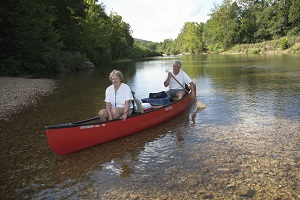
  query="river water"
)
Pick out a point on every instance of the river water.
point(245, 144)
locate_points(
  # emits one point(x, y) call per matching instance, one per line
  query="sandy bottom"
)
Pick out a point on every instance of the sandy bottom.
point(16, 93)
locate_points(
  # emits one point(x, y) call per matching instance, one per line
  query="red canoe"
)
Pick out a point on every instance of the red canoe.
point(68, 138)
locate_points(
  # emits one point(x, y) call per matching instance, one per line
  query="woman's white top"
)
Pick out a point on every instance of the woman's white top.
point(118, 98)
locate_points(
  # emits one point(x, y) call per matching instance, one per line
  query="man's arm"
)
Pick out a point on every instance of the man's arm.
point(167, 81)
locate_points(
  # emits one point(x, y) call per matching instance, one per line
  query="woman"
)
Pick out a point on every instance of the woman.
point(118, 99)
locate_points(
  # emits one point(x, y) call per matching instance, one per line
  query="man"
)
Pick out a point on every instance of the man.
point(176, 89)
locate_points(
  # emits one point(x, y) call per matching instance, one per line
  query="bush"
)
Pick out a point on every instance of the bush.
point(284, 44)
point(253, 51)
point(9, 67)
point(72, 60)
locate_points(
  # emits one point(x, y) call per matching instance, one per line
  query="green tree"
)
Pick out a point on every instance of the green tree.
point(167, 47)
point(190, 39)
point(283, 18)
point(294, 18)
point(39, 36)
point(266, 12)
point(34, 42)
point(69, 14)
point(247, 21)
point(143, 48)
point(9, 63)
point(38, 42)
point(95, 43)
point(221, 30)
point(120, 36)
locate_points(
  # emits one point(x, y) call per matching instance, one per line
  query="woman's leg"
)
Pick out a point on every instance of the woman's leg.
point(103, 115)
point(118, 112)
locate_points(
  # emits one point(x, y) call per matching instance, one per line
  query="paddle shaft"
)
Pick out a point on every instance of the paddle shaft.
point(123, 113)
point(199, 104)
point(94, 118)
point(179, 83)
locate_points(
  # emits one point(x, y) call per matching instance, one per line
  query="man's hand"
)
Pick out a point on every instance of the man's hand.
point(167, 82)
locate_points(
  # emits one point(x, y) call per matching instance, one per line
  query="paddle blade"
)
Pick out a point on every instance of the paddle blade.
point(200, 105)
point(139, 105)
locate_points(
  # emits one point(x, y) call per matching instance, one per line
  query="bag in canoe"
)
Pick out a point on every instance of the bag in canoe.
point(158, 95)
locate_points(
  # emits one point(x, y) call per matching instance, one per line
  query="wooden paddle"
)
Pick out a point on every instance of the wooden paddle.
point(198, 103)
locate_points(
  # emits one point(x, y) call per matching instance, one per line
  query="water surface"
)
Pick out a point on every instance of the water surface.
point(245, 143)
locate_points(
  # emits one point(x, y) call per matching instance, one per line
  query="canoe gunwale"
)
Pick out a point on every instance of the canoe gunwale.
point(75, 124)
point(67, 138)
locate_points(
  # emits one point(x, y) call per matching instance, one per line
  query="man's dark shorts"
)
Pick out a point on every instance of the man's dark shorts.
point(173, 93)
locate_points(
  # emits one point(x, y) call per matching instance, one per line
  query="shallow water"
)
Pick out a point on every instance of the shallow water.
point(246, 143)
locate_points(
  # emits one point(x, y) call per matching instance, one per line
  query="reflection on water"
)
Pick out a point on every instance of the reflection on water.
point(244, 144)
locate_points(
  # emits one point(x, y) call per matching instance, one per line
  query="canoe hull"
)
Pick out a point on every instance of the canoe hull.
point(64, 139)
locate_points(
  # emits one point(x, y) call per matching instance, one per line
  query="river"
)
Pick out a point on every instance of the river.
point(245, 144)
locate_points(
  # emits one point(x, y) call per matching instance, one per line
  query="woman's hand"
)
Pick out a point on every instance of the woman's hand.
point(124, 117)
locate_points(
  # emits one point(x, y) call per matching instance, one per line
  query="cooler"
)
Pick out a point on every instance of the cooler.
point(157, 102)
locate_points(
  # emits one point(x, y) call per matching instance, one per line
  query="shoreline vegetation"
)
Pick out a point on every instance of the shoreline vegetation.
point(68, 35)
point(72, 33)
point(17, 93)
point(282, 45)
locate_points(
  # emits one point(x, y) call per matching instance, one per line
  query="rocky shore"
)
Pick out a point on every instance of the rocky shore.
point(16, 93)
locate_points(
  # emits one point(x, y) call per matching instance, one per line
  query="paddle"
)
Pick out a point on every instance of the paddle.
point(94, 118)
point(198, 103)
point(138, 103)
point(123, 114)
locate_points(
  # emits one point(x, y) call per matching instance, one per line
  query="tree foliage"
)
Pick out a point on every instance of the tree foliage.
point(238, 22)
point(41, 37)
point(247, 21)
point(189, 39)
point(32, 42)
point(294, 18)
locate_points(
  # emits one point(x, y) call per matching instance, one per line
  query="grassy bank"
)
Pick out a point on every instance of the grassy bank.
point(282, 45)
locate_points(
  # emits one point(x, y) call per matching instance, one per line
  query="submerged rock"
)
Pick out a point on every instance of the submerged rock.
point(245, 191)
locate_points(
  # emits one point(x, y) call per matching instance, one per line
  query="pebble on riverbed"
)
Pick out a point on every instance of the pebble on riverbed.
point(16, 93)
point(245, 191)
point(256, 163)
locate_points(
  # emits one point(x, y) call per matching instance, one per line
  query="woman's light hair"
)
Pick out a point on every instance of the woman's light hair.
point(116, 72)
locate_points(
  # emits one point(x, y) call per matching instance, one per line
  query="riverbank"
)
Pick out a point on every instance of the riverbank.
point(17, 93)
point(284, 45)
